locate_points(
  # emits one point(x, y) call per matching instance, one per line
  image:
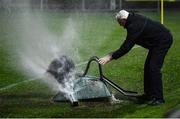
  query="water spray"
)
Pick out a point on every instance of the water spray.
point(73, 99)
point(62, 69)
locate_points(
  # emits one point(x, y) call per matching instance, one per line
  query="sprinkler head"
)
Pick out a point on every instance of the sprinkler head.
point(73, 99)
point(75, 103)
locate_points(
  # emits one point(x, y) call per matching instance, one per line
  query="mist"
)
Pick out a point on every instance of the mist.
point(36, 46)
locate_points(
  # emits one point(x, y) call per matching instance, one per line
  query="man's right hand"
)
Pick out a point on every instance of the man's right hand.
point(105, 60)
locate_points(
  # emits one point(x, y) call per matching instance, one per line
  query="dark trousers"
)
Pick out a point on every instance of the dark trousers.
point(153, 86)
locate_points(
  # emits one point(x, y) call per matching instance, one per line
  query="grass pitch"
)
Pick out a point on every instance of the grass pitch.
point(99, 34)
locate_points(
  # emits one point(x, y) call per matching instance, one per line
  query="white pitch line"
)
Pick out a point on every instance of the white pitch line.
point(15, 84)
point(28, 80)
point(82, 63)
point(136, 46)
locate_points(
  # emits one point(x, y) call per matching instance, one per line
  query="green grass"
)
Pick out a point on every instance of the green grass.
point(99, 34)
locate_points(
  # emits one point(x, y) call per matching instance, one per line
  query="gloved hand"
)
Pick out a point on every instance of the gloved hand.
point(105, 59)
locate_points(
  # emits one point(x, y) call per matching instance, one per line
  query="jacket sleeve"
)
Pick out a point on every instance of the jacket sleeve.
point(125, 48)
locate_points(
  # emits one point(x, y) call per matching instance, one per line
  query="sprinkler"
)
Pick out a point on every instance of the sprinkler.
point(73, 99)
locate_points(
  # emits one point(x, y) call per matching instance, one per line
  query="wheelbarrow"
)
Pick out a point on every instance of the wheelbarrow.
point(92, 87)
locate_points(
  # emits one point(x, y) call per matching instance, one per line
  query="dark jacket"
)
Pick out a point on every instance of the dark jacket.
point(141, 31)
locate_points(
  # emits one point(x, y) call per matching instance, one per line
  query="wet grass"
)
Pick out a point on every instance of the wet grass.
point(99, 34)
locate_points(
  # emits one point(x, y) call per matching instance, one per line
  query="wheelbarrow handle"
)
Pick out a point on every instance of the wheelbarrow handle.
point(106, 80)
point(94, 58)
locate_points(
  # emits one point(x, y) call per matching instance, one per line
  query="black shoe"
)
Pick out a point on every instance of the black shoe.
point(156, 102)
point(142, 99)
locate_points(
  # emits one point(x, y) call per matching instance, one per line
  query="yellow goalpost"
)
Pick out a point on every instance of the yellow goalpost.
point(162, 11)
point(161, 6)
